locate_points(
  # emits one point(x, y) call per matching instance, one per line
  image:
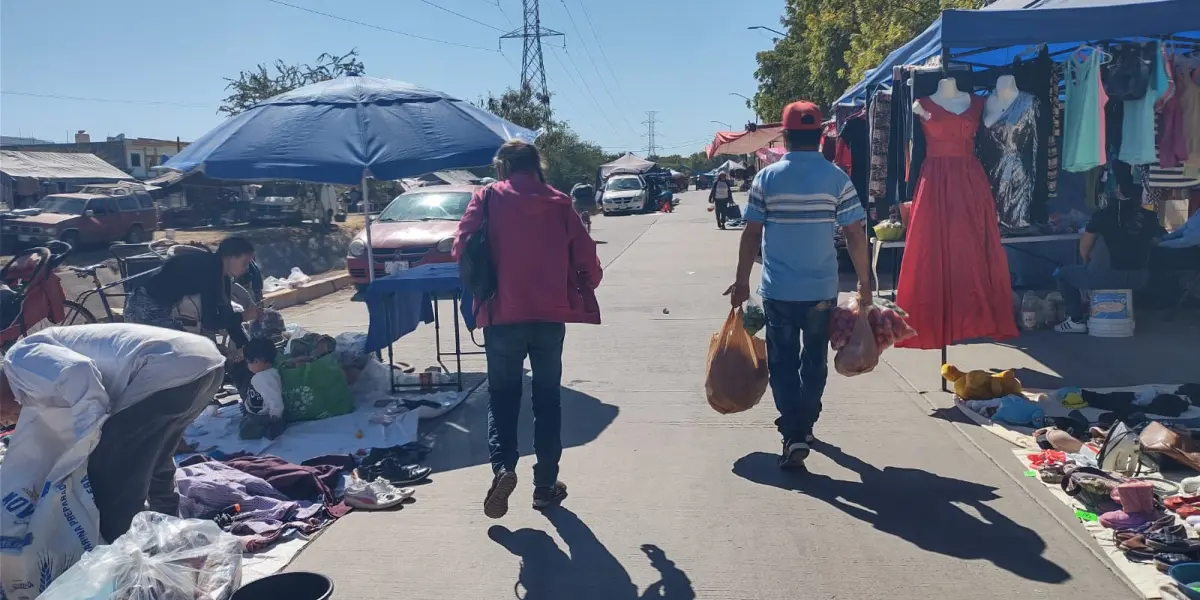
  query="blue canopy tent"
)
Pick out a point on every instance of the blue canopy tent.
point(996, 34)
point(345, 130)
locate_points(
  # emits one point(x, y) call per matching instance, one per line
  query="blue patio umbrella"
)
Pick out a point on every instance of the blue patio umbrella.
point(348, 129)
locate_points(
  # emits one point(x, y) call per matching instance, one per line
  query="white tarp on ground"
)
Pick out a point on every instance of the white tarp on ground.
point(58, 165)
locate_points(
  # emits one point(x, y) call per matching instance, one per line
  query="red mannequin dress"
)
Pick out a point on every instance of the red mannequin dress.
point(954, 279)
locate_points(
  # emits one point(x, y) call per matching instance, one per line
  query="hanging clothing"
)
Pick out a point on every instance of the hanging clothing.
point(1084, 136)
point(1034, 76)
point(1008, 150)
point(855, 134)
point(954, 279)
point(1172, 143)
point(1137, 128)
point(1052, 151)
point(1188, 92)
point(881, 125)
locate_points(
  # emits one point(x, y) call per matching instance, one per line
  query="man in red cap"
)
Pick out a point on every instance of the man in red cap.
point(795, 206)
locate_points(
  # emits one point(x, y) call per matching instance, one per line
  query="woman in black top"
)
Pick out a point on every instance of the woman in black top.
point(206, 274)
point(1115, 248)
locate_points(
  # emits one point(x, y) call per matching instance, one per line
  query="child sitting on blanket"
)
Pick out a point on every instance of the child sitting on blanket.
point(262, 402)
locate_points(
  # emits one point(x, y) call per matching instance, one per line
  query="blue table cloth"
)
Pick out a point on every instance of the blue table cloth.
point(399, 302)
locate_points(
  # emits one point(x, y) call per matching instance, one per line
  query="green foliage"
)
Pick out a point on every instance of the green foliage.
point(568, 158)
point(831, 44)
point(693, 163)
point(258, 84)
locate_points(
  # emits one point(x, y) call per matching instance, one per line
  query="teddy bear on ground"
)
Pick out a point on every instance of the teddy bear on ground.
point(981, 385)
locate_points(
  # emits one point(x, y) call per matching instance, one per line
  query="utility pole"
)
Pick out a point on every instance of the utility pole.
point(650, 122)
point(533, 71)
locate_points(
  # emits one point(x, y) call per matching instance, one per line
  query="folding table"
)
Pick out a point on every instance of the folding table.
point(399, 302)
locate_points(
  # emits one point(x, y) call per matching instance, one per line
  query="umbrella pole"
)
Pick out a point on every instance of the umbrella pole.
point(367, 220)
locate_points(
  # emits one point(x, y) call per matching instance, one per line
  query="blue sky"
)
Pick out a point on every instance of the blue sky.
point(163, 61)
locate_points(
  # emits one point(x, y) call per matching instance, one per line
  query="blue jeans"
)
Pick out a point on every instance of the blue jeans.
point(507, 347)
point(797, 356)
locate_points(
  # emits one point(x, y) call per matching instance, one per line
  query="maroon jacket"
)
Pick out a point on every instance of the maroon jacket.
point(545, 260)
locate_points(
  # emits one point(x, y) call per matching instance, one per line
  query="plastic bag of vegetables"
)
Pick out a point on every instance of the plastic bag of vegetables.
point(886, 320)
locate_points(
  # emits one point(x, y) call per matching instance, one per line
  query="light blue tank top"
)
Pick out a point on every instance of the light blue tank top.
point(1083, 131)
point(1137, 130)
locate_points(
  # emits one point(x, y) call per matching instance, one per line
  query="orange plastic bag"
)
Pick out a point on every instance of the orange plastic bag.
point(860, 354)
point(737, 376)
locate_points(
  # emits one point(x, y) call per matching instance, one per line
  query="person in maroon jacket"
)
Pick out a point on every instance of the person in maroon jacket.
point(548, 271)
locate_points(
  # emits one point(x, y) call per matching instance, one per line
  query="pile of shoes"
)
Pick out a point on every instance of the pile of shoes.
point(1144, 533)
point(398, 465)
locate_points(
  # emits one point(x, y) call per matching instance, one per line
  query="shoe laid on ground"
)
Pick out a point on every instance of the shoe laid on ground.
point(1071, 326)
point(794, 454)
point(375, 495)
point(495, 504)
point(549, 496)
point(393, 472)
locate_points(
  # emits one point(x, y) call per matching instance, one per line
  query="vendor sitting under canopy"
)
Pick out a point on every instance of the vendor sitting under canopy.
point(1126, 233)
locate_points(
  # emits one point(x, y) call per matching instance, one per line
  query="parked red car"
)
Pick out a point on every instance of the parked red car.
point(416, 228)
point(85, 218)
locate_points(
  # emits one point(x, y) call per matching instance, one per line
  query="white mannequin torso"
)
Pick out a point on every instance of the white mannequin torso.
point(947, 96)
point(998, 102)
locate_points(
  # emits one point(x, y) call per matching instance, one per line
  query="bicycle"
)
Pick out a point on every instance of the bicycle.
point(586, 215)
point(130, 267)
point(31, 294)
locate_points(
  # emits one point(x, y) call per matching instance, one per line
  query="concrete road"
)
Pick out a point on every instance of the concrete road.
point(669, 499)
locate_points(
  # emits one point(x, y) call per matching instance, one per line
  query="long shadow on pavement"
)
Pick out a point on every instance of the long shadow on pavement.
point(589, 571)
point(919, 507)
point(460, 438)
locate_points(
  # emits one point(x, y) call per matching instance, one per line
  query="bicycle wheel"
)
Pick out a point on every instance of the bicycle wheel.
point(73, 314)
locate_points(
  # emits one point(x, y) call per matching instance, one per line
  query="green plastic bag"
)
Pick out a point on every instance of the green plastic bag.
point(315, 390)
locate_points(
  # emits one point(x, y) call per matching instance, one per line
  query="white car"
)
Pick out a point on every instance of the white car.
point(624, 193)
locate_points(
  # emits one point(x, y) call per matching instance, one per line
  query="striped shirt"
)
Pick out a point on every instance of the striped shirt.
point(801, 200)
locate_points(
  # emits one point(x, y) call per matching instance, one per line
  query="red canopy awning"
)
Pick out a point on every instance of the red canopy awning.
point(744, 142)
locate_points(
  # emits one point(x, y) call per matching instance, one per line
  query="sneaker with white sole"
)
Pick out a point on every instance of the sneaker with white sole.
point(375, 495)
point(794, 455)
point(1071, 326)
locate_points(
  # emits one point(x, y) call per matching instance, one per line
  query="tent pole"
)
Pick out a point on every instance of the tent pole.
point(367, 221)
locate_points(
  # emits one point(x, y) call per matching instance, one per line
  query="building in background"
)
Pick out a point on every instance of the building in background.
point(135, 156)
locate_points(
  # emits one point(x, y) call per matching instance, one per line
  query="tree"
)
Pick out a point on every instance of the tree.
point(831, 44)
point(258, 84)
point(568, 158)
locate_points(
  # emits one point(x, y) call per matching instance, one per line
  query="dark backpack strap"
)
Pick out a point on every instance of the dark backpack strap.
point(487, 193)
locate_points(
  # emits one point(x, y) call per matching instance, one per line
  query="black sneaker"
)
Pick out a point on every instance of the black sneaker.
point(794, 454)
point(394, 472)
point(495, 504)
point(545, 497)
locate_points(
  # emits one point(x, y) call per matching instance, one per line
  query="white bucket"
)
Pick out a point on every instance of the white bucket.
point(1112, 313)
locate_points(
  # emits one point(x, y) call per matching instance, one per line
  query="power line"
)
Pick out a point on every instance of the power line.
point(506, 18)
point(603, 54)
point(110, 100)
point(595, 102)
point(458, 14)
point(397, 32)
point(592, 59)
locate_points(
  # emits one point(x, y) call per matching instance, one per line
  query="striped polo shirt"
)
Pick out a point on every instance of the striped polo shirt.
point(801, 200)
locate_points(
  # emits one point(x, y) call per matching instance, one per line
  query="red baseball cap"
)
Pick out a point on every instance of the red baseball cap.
point(802, 116)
